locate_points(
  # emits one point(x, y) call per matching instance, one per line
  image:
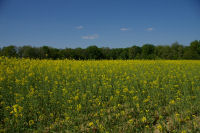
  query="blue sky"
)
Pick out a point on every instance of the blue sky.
point(105, 23)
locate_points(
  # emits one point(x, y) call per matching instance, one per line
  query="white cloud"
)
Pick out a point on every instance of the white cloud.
point(90, 37)
point(150, 29)
point(124, 29)
point(79, 27)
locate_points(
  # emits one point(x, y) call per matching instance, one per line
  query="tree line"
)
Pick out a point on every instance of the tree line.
point(174, 51)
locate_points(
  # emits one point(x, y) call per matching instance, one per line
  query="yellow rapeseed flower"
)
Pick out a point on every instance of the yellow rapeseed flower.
point(172, 102)
point(31, 122)
point(144, 119)
point(125, 90)
point(159, 127)
point(130, 121)
point(76, 98)
point(79, 107)
point(91, 124)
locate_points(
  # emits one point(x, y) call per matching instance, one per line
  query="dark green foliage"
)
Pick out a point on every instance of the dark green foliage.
point(177, 51)
point(10, 51)
point(190, 54)
point(134, 52)
point(124, 54)
point(195, 46)
point(106, 52)
point(93, 52)
point(148, 51)
point(28, 51)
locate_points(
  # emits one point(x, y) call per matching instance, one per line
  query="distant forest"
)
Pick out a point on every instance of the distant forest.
point(174, 51)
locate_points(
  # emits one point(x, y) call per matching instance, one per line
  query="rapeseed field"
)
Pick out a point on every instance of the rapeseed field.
point(99, 96)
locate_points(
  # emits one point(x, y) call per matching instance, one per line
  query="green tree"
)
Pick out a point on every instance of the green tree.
point(124, 54)
point(177, 51)
point(79, 53)
point(44, 52)
point(28, 51)
point(93, 52)
point(195, 46)
point(193, 51)
point(9, 51)
point(106, 53)
point(134, 52)
point(0, 52)
point(148, 51)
